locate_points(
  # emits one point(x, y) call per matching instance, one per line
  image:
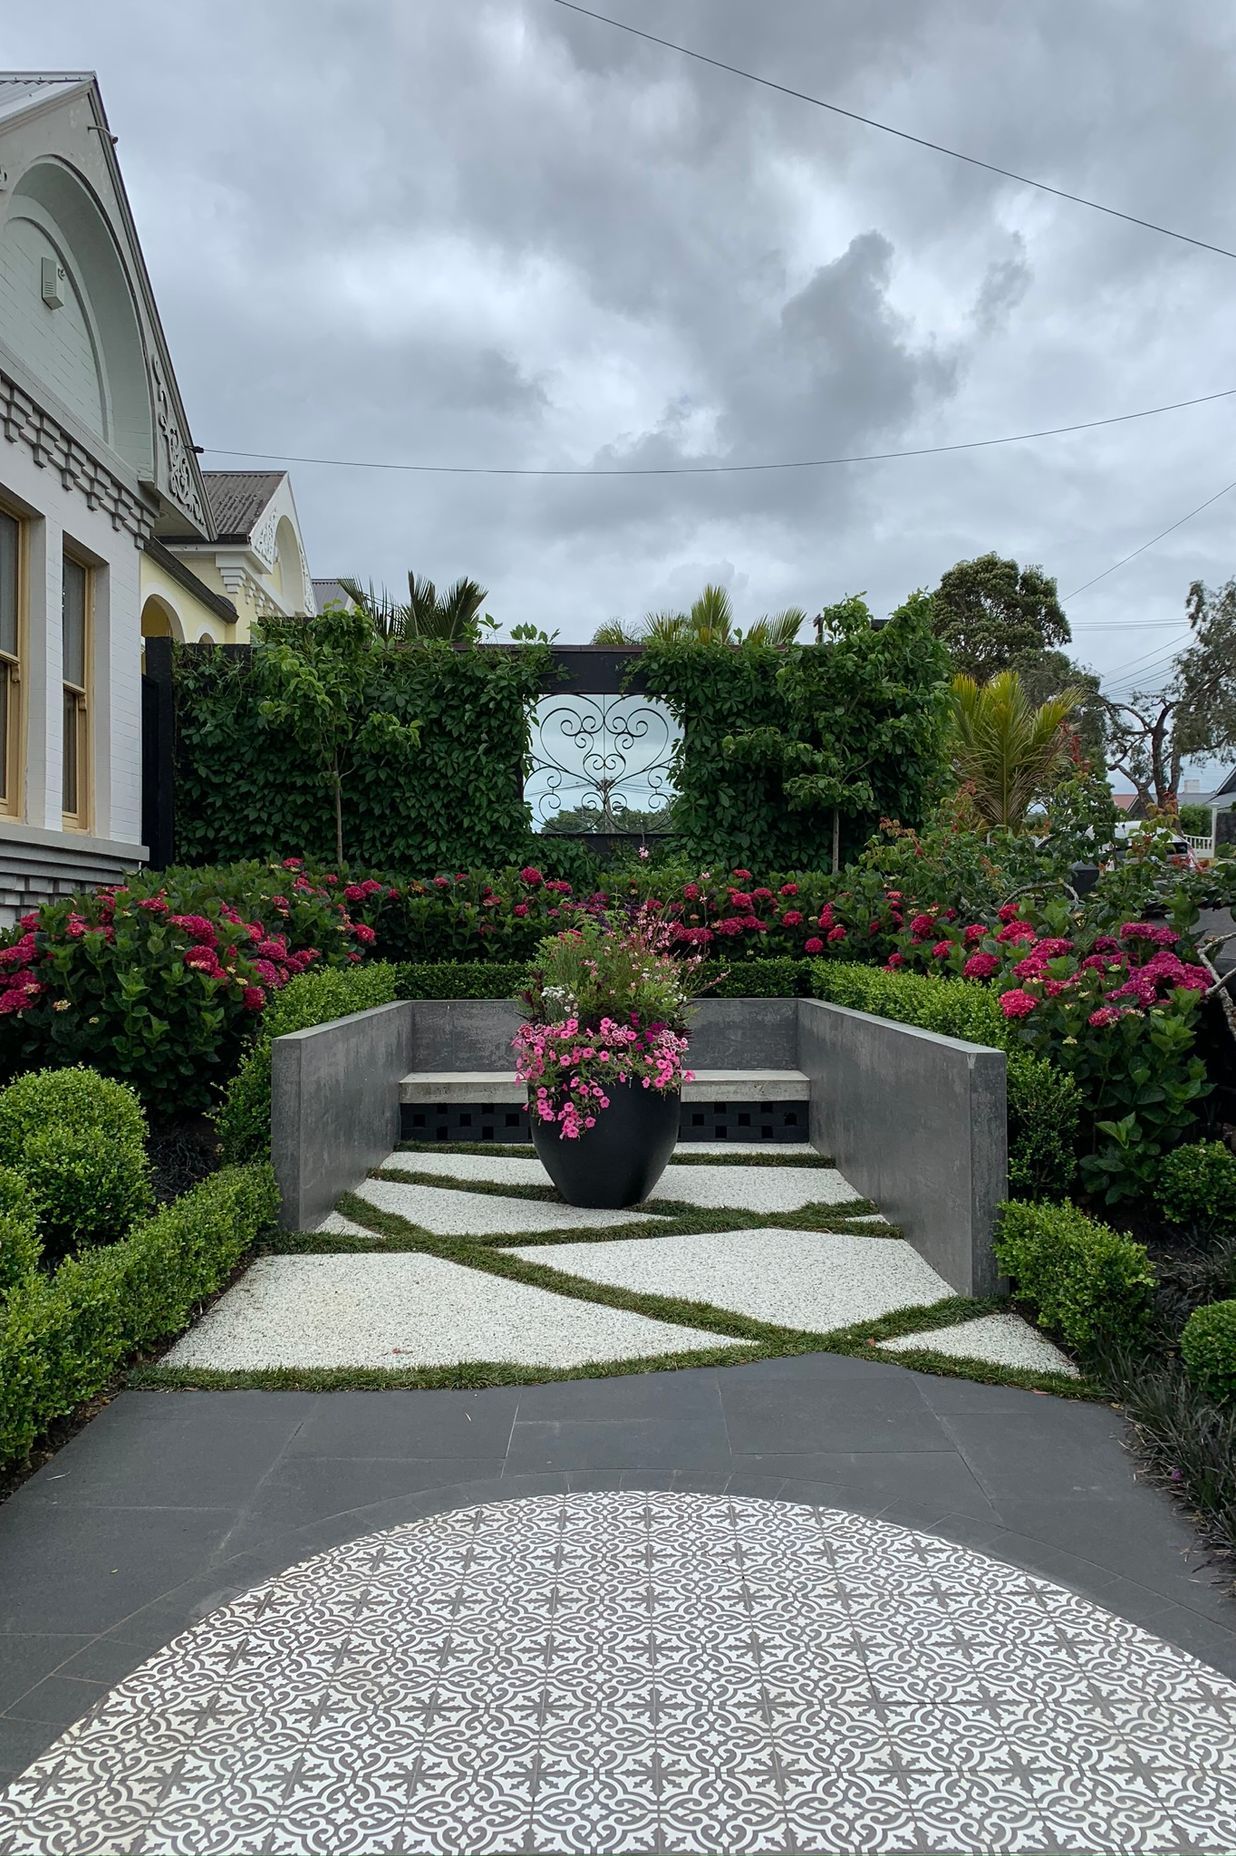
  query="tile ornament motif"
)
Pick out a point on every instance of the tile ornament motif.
point(661, 1672)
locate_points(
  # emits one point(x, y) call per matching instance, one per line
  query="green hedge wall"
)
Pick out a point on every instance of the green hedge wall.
point(1044, 1104)
point(241, 792)
point(243, 1120)
point(481, 979)
point(63, 1336)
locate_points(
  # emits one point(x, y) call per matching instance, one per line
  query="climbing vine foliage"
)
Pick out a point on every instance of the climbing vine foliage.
point(248, 784)
point(787, 756)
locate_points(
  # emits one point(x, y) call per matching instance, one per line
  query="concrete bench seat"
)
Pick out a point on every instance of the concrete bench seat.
point(439, 1086)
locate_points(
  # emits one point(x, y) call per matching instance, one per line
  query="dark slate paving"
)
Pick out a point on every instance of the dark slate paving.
point(170, 1504)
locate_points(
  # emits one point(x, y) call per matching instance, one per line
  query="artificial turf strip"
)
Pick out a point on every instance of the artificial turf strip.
point(513, 1151)
point(858, 1338)
point(653, 1208)
point(841, 1221)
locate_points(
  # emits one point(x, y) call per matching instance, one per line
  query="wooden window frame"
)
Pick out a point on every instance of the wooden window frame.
point(15, 737)
point(79, 819)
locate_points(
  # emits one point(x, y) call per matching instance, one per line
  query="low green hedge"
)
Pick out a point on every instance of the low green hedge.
point(491, 979)
point(62, 1337)
point(463, 979)
point(243, 1120)
point(1208, 1349)
point(20, 1248)
point(1087, 1283)
point(1044, 1104)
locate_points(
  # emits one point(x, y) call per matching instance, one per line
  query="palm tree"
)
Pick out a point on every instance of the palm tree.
point(455, 615)
point(1004, 750)
point(710, 621)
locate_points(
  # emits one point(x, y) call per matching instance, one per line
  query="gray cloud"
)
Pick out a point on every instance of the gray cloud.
point(498, 232)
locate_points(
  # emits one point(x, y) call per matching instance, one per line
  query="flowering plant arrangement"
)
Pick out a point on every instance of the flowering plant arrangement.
point(607, 1007)
point(158, 981)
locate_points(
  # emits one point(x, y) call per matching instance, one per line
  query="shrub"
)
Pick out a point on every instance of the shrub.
point(243, 1120)
point(19, 1231)
point(62, 1337)
point(77, 1099)
point(1195, 1186)
point(1044, 1106)
point(158, 982)
point(1208, 1349)
point(1087, 1283)
point(86, 1187)
point(78, 1141)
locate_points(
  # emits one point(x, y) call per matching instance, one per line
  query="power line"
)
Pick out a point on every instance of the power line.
point(721, 470)
point(885, 128)
point(1150, 660)
point(1150, 544)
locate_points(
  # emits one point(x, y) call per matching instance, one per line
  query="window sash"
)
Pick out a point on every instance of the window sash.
point(10, 583)
point(75, 673)
point(74, 602)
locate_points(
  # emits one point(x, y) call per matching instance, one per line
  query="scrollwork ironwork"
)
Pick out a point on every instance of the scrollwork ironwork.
point(606, 756)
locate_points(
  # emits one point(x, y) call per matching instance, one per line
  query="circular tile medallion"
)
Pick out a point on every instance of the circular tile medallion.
point(636, 1672)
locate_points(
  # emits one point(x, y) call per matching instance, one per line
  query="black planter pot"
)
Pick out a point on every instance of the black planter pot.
point(620, 1160)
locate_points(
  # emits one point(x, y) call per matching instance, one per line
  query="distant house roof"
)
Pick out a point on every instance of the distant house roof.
point(237, 498)
point(329, 593)
point(1226, 788)
point(1124, 802)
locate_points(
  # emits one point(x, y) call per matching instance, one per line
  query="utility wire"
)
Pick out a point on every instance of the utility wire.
point(1086, 585)
point(903, 135)
point(1150, 660)
point(721, 470)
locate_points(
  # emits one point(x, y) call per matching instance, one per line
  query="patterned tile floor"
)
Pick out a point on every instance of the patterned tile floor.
point(633, 1671)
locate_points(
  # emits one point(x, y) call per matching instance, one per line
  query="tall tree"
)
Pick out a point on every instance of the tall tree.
point(1154, 732)
point(990, 612)
point(1006, 753)
point(709, 621)
point(455, 615)
point(316, 680)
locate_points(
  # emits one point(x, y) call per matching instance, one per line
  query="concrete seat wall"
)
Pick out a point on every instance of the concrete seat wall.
point(916, 1122)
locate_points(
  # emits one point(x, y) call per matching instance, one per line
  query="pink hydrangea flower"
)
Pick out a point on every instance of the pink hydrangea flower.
point(814, 945)
point(981, 966)
point(1018, 1004)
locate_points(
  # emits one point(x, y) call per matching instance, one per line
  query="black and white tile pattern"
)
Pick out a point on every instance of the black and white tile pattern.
point(646, 1672)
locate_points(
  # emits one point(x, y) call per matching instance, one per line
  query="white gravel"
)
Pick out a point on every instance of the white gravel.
point(1004, 1340)
point(411, 1310)
point(740, 1188)
point(448, 1213)
point(782, 1149)
point(798, 1279)
point(339, 1226)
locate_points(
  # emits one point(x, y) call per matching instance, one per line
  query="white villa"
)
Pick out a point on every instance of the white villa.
point(109, 530)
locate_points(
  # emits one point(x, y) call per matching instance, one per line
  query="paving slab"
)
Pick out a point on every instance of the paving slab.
point(756, 1189)
point(1004, 1339)
point(815, 1280)
point(448, 1213)
point(406, 1309)
point(908, 1693)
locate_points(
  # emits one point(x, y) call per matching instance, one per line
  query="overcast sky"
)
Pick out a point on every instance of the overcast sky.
point(493, 232)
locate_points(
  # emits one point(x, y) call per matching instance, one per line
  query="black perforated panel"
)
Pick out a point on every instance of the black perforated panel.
point(508, 1121)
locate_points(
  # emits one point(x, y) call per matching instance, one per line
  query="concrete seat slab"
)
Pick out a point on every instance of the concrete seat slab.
point(501, 1086)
